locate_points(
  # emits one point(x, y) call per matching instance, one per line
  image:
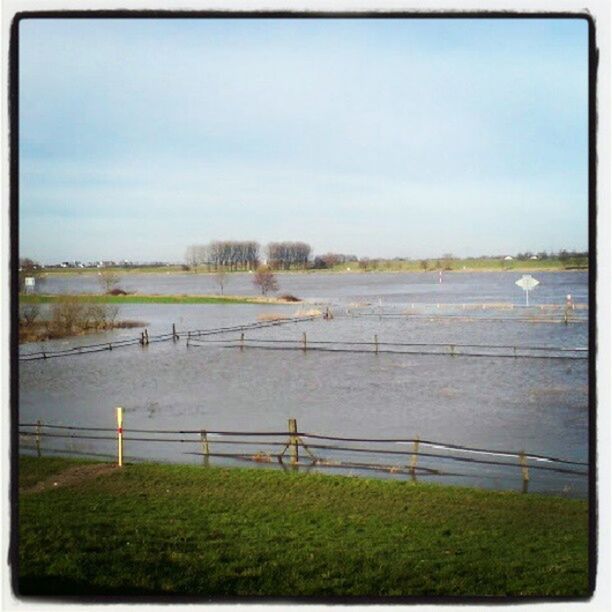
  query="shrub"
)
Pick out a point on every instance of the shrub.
point(289, 298)
point(68, 315)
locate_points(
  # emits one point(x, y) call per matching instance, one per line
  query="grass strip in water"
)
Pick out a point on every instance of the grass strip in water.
point(151, 529)
point(151, 299)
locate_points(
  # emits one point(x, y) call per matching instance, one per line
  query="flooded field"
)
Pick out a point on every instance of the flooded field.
point(392, 287)
point(500, 402)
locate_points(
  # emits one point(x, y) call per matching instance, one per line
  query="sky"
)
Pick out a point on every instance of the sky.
point(379, 138)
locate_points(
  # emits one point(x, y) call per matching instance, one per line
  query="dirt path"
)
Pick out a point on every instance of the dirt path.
point(71, 476)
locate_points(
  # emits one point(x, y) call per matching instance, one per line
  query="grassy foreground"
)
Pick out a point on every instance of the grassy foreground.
point(151, 299)
point(88, 528)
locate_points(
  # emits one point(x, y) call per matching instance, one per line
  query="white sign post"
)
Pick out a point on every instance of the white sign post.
point(29, 284)
point(527, 283)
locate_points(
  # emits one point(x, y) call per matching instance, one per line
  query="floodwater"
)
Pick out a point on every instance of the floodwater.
point(498, 403)
point(392, 287)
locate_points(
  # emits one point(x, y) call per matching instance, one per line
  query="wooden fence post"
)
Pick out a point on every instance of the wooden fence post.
point(304, 341)
point(376, 343)
point(524, 470)
point(119, 436)
point(414, 458)
point(205, 448)
point(242, 341)
point(38, 428)
point(293, 441)
point(174, 336)
point(146, 333)
point(452, 350)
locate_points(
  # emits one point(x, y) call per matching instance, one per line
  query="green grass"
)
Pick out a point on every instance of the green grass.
point(149, 299)
point(167, 529)
point(481, 264)
point(470, 265)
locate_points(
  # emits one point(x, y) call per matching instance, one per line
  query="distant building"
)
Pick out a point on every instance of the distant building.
point(508, 258)
point(533, 257)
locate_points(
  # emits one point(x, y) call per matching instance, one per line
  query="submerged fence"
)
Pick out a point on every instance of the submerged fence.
point(377, 346)
point(200, 338)
point(297, 449)
point(546, 313)
point(145, 339)
point(419, 311)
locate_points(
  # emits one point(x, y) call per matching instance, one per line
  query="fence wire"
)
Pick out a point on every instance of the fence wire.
point(222, 438)
point(109, 346)
point(404, 348)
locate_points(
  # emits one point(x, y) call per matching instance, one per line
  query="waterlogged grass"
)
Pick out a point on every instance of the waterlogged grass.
point(164, 529)
point(149, 299)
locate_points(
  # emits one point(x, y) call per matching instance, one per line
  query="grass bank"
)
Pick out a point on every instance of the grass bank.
point(148, 529)
point(152, 299)
point(481, 264)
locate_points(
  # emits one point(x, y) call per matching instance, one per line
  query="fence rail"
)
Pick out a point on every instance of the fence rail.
point(398, 348)
point(145, 339)
point(315, 449)
point(462, 317)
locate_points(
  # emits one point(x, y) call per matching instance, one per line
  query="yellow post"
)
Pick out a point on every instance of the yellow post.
point(119, 436)
point(293, 441)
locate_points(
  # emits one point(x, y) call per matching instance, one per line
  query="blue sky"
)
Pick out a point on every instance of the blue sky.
point(375, 137)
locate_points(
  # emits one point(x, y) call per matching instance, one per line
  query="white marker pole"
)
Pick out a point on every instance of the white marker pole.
point(440, 273)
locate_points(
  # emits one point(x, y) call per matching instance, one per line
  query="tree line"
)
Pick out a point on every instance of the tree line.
point(245, 255)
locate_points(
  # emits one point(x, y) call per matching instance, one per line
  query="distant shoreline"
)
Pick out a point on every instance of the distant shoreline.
point(337, 270)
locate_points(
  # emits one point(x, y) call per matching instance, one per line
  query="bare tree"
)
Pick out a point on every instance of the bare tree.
point(109, 279)
point(191, 257)
point(285, 255)
point(111, 312)
point(29, 314)
point(221, 279)
point(265, 280)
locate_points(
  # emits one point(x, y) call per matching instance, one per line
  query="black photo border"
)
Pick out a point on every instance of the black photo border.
point(593, 59)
